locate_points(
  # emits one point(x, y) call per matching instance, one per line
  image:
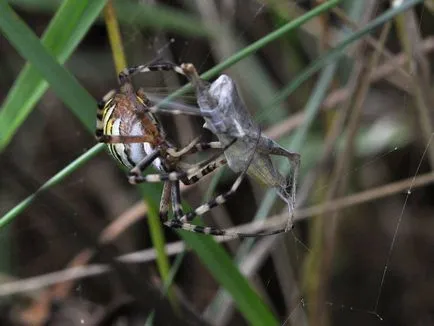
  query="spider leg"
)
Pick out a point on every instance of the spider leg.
point(156, 66)
point(189, 176)
point(176, 200)
point(143, 164)
point(207, 169)
point(164, 201)
point(218, 200)
point(164, 106)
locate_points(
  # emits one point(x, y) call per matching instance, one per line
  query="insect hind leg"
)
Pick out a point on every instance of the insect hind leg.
point(288, 192)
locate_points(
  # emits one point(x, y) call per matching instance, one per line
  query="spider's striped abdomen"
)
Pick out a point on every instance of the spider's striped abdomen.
point(120, 119)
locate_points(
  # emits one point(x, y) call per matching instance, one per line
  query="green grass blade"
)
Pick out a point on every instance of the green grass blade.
point(62, 36)
point(227, 274)
point(159, 242)
point(138, 14)
point(336, 52)
point(56, 179)
point(161, 17)
point(252, 48)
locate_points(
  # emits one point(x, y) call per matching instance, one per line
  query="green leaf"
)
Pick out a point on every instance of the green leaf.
point(138, 14)
point(65, 31)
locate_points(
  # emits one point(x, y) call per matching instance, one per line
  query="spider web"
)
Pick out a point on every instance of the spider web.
point(376, 273)
point(335, 305)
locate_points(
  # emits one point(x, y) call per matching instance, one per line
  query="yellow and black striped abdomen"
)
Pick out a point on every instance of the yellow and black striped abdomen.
point(127, 124)
point(111, 128)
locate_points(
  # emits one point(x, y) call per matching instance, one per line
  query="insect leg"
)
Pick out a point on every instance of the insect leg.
point(196, 147)
point(184, 151)
point(289, 190)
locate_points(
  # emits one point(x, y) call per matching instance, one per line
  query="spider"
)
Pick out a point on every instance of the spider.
point(136, 139)
point(246, 149)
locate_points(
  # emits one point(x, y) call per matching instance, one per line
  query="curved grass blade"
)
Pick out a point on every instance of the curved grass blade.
point(138, 14)
point(115, 37)
point(336, 52)
point(161, 17)
point(56, 179)
point(227, 274)
point(65, 31)
point(252, 48)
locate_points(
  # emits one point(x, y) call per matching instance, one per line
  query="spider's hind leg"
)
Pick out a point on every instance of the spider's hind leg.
point(166, 197)
point(176, 200)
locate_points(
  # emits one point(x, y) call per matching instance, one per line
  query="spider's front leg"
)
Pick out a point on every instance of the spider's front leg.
point(189, 176)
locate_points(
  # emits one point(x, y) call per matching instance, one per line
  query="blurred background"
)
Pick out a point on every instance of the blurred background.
point(361, 251)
